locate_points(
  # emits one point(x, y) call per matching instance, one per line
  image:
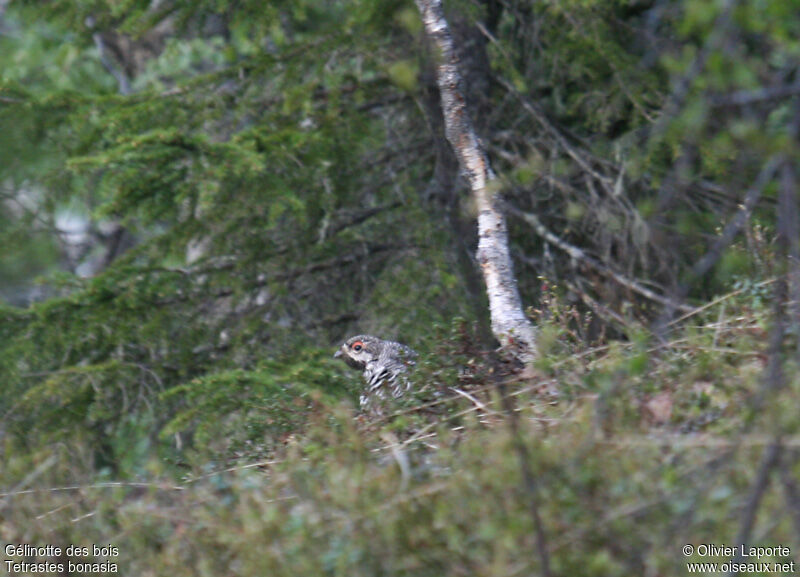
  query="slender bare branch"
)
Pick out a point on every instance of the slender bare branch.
point(579, 255)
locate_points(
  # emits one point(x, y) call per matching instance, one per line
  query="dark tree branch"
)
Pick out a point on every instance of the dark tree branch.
point(723, 241)
point(357, 218)
point(734, 226)
point(790, 488)
point(790, 227)
point(748, 97)
point(771, 458)
point(775, 377)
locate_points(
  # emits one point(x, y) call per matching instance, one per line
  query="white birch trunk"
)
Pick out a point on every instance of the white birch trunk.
point(510, 325)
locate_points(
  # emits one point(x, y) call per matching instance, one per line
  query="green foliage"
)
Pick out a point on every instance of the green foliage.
point(459, 508)
point(584, 61)
point(242, 165)
point(248, 411)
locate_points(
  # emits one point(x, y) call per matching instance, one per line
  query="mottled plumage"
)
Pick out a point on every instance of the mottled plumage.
point(384, 364)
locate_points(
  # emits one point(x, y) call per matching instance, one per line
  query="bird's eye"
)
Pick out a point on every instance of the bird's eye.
point(357, 346)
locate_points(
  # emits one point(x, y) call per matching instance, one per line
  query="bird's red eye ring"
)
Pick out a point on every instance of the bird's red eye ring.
point(357, 346)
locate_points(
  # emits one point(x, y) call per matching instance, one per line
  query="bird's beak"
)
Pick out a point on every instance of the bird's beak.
point(337, 354)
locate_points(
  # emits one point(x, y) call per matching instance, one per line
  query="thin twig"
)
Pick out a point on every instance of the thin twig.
point(472, 399)
point(770, 460)
point(579, 254)
point(747, 97)
point(716, 301)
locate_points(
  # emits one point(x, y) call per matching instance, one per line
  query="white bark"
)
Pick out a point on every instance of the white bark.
point(510, 325)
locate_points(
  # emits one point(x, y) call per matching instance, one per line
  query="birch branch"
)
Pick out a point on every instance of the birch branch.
point(509, 323)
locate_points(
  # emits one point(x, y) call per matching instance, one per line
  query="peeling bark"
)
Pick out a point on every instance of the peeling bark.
point(510, 325)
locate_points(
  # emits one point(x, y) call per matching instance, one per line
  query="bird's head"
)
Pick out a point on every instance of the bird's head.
point(359, 350)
